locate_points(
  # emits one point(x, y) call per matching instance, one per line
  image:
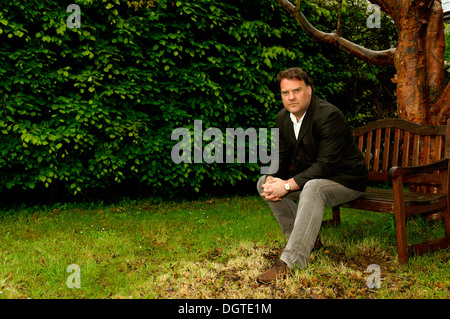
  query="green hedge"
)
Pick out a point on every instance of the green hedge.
point(92, 107)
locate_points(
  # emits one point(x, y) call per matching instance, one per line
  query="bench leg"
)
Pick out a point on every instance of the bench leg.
point(447, 209)
point(400, 221)
point(447, 222)
point(402, 244)
point(336, 221)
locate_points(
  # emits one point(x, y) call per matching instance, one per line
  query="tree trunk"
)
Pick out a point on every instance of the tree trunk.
point(410, 63)
point(435, 48)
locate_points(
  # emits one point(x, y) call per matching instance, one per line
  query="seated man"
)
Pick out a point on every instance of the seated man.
point(319, 165)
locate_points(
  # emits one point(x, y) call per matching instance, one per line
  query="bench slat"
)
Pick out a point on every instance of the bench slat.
point(396, 147)
point(409, 197)
point(380, 200)
point(405, 150)
point(387, 143)
point(416, 147)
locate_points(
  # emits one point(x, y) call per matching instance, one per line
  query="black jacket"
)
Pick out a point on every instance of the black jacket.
point(325, 148)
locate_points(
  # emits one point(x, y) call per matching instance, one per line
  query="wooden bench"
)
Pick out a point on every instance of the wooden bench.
point(405, 154)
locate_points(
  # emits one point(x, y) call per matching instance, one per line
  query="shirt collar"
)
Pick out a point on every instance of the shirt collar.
point(294, 119)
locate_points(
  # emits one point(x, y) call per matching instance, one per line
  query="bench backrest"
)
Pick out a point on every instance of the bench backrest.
point(394, 142)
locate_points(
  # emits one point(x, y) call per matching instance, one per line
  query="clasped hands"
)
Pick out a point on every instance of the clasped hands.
point(273, 188)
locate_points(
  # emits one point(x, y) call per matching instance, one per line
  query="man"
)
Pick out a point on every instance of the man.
point(319, 165)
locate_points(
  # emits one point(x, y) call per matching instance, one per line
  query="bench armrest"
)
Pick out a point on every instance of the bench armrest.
point(398, 171)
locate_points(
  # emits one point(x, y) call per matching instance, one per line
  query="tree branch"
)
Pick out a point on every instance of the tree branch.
point(338, 27)
point(385, 57)
point(387, 6)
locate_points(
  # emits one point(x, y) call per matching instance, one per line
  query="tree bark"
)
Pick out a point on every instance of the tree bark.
point(442, 107)
point(435, 44)
point(410, 62)
point(435, 48)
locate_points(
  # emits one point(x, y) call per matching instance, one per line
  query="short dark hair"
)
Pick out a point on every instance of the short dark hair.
point(295, 73)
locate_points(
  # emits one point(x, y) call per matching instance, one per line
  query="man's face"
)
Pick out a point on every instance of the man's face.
point(296, 96)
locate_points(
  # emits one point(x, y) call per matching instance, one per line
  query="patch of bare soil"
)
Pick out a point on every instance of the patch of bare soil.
point(332, 273)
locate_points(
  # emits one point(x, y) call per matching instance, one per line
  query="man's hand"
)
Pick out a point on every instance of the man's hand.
point(273, 189)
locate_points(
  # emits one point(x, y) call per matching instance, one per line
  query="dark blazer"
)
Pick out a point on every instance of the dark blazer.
point(325, 148)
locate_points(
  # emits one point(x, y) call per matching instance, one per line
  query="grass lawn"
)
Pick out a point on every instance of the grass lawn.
point(204, 249)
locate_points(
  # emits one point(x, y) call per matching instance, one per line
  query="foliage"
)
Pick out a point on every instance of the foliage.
point(92, 107)
point(365, 92)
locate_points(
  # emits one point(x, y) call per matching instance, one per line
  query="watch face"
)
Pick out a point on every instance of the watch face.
point(287, 187)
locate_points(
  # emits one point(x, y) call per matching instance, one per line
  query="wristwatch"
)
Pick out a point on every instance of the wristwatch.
point(287, 187)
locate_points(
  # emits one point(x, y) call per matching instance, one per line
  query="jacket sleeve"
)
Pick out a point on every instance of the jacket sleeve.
point(334, 137)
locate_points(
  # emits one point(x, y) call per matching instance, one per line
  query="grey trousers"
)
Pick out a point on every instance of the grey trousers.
point(301, 222)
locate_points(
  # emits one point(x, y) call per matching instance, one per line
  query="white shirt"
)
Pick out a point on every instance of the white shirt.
point(297, 124)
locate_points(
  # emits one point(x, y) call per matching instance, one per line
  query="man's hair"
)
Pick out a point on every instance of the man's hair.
point(295, 73)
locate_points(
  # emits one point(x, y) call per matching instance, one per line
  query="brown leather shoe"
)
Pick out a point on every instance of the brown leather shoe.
point(278, 270)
